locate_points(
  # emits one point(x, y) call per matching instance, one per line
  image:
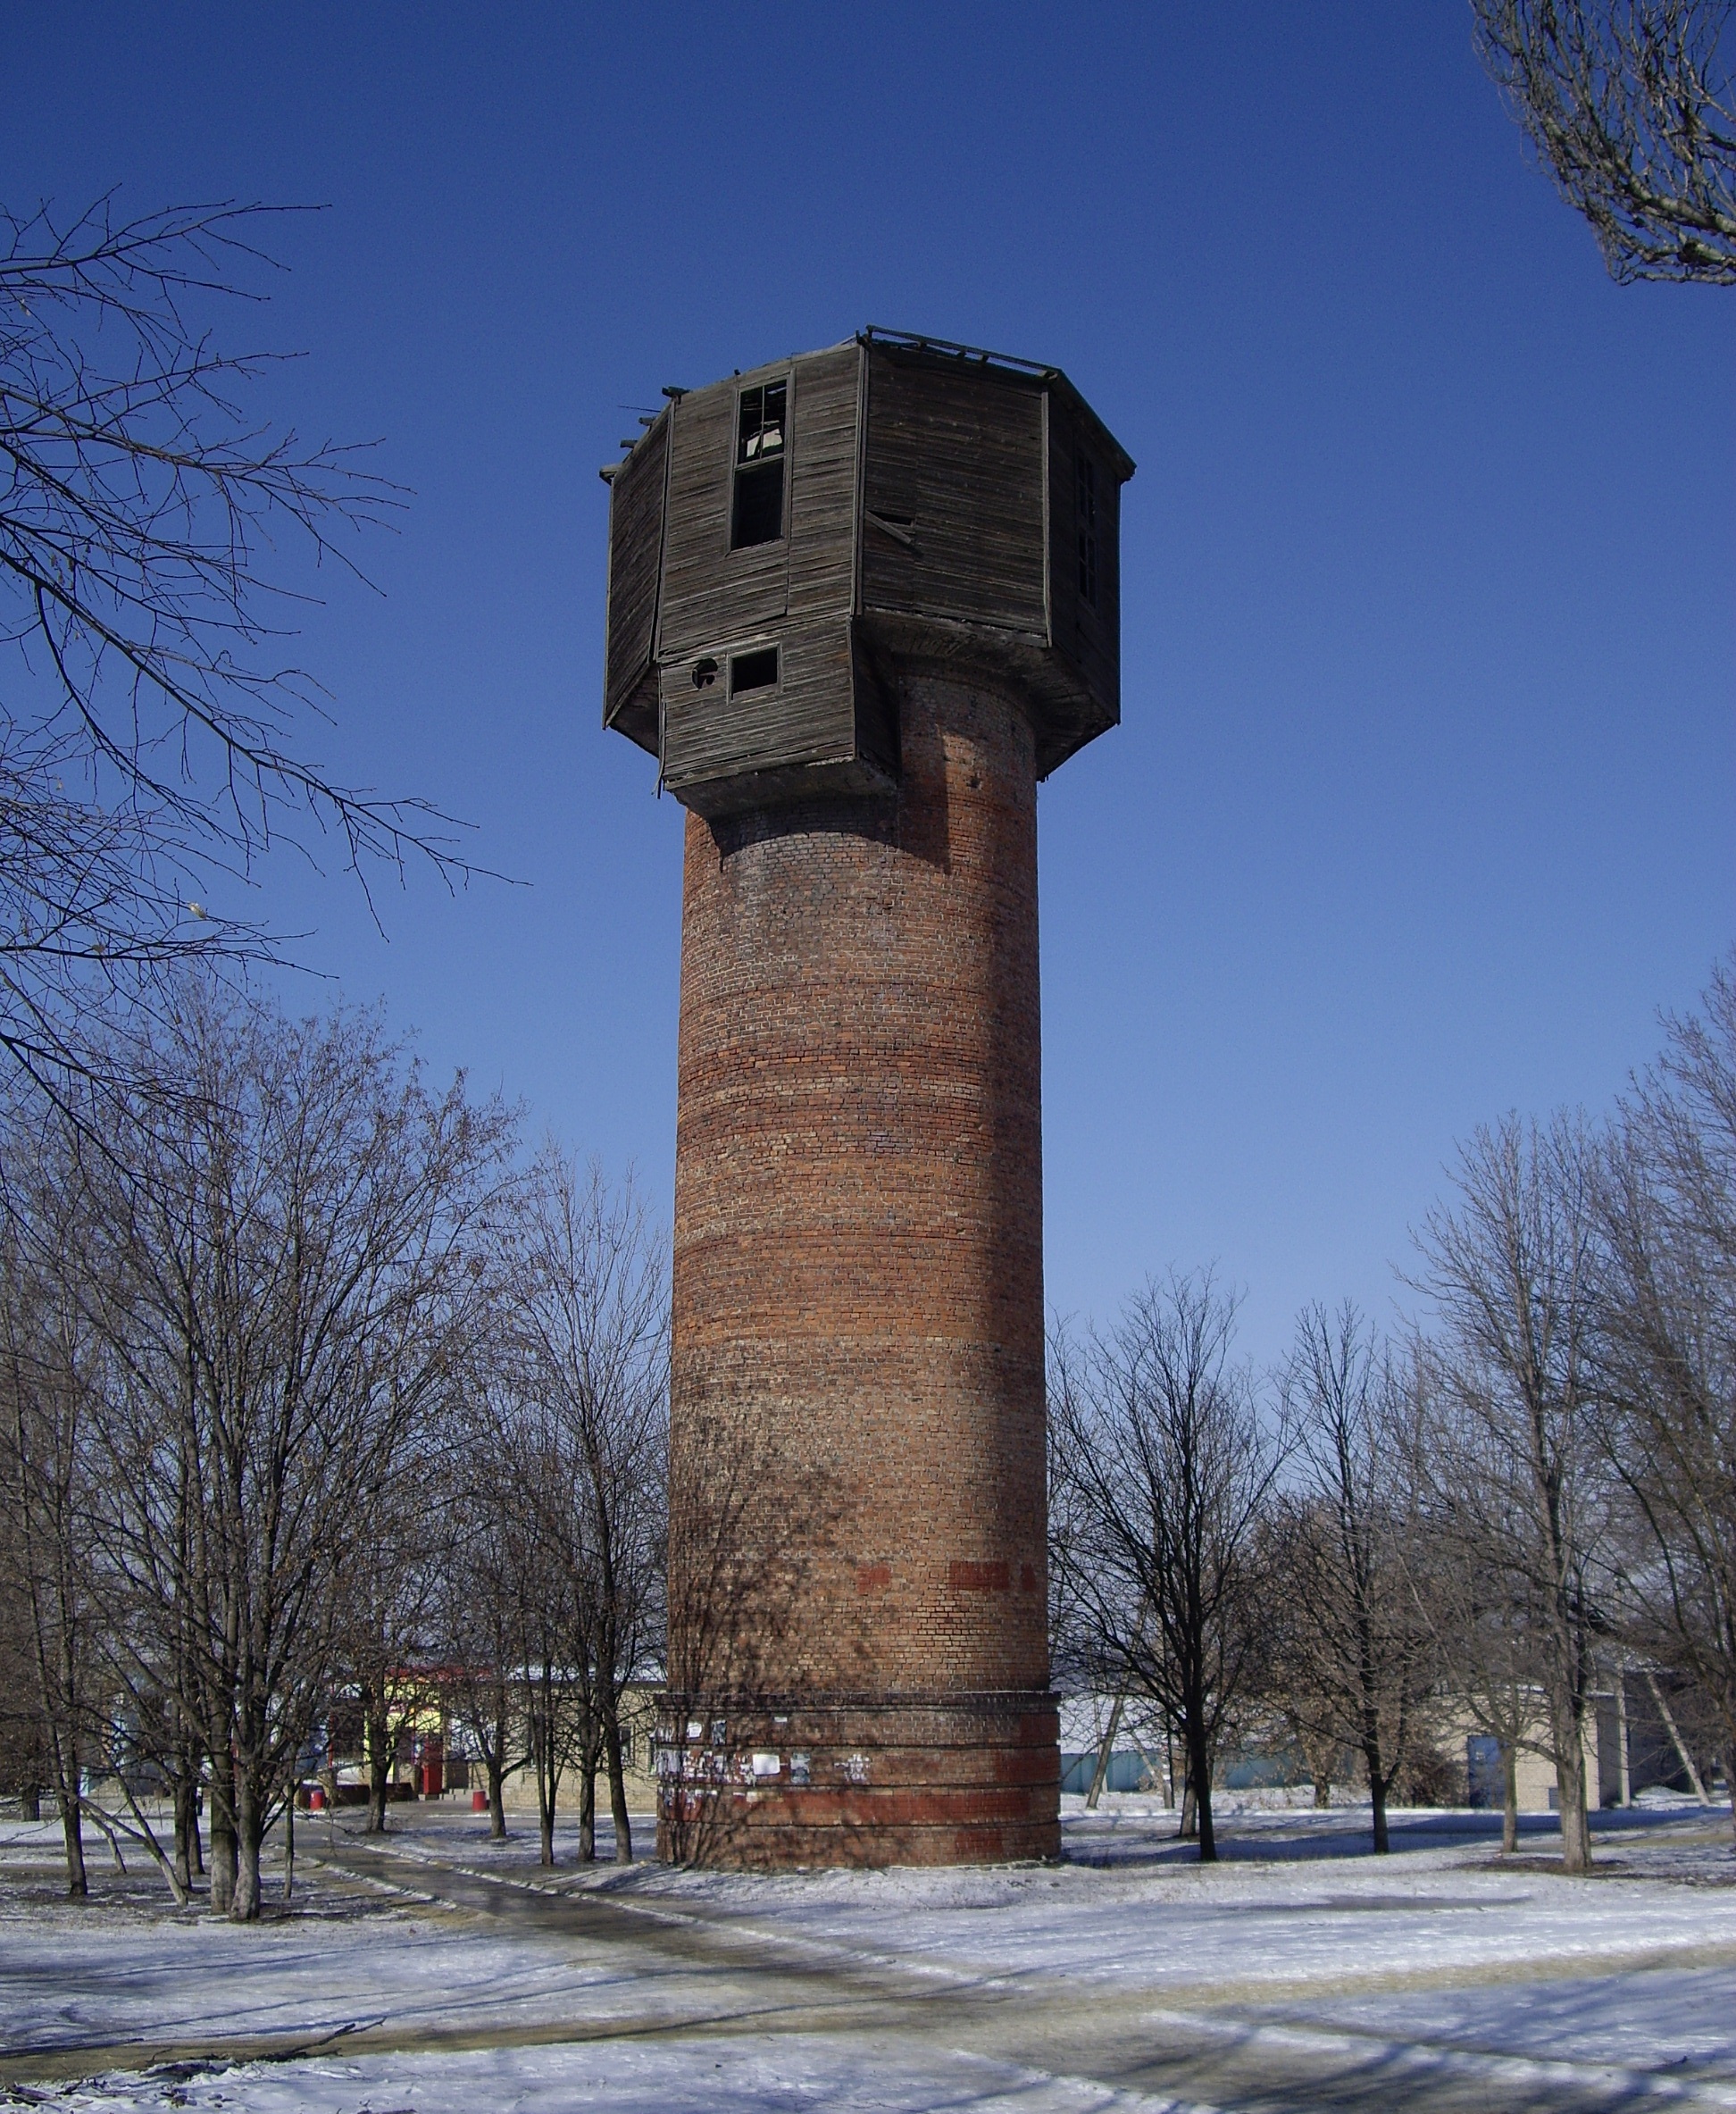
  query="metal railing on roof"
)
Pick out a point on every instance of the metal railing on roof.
point(945, 349)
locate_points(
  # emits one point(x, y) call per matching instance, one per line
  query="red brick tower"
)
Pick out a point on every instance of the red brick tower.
point(851, 615)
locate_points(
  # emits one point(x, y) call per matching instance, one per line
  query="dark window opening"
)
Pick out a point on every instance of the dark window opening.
point(757, 515)
point(1085, 516)
point(754, 671)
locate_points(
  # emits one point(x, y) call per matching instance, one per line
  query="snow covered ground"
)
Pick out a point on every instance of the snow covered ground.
point(447, 1972)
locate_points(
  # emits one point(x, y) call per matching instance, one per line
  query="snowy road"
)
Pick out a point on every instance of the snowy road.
point(1296, 1976)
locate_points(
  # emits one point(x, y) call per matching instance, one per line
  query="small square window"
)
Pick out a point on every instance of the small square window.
point(756, 512)
point(754, 671)
point(1085, 518)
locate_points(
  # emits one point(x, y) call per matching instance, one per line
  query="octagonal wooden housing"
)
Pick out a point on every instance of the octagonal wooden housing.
point(781, 542)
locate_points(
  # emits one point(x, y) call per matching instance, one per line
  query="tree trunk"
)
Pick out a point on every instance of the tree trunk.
point(1684, 1754)
point(249, 1827)
point(495, 1758)
point(1106, 1750)
point(1509, 1797)
point(77, 1885)
point(623, 1826)
point(220, 1748)
point(68, 1778)
point(222, 1856)
point(588, 1798)
point(378, 1736)
point(1187, 1831)
point(1570, 1787)
point(546, 1765)
point(289, 1847)
point(31, 1800)
point(1374, 1762)
point(1322, 1792)
point(185, 1828)
point(1377, 1795)
point(1199, 1782)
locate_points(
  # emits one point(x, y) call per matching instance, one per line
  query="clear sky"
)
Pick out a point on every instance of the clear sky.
point(1422, 805)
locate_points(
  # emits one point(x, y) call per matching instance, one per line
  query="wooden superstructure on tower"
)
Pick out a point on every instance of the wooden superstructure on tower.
point(778, 540)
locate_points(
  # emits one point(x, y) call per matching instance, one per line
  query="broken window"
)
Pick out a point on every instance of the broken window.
point(754, 671)
point(1085, 514)
point(757, 513)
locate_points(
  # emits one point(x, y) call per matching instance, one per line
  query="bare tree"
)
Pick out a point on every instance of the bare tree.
point(529, 1692)
point(1168, 1464)
point(1356, 1658)
point(283, 1273)
point(1486, 1615)
point(476, 1609)
point(150, 726)
point(54, 1381)
point(46, 1471)
point(26, 1768)
point(1512, 1268)
point(1630, 104)
point(1327, 1759)
point(1667, 1351)
point(593, 1308)
point(553, 1688)
point(144, 1580)
point(388, 1594)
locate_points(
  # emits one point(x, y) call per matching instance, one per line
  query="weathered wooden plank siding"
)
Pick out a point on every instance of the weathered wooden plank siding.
point(822, 470)
point(794, 595)
point(1100, 637)
point(954, 458)
point(636, 525)
point(1089, 638)
point(1063, 552)
point(709, 589)
point(809, 717)
point(818, 712)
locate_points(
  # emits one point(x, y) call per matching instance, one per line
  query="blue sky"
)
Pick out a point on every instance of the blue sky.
point(1421, 803)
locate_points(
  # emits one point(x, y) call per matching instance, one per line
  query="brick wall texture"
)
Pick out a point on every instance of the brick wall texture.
point(858, 1659)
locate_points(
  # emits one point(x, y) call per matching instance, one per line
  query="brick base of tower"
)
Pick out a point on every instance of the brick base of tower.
point(858, 1652)
point(877, 1780)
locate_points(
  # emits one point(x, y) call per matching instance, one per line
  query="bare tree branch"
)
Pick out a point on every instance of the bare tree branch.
point(1630, 104)
point(151, 721)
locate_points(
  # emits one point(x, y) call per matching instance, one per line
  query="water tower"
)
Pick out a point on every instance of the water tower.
point(860, 602)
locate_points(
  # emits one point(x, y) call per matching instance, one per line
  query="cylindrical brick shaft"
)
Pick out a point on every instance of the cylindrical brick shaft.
point(858, 1651)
